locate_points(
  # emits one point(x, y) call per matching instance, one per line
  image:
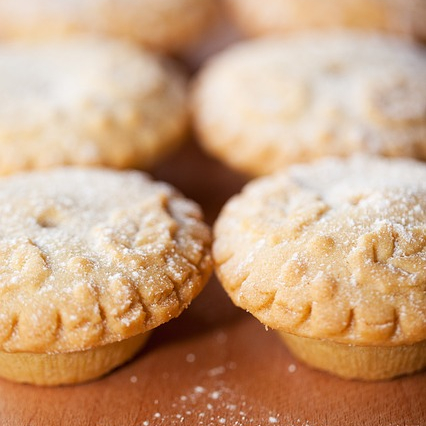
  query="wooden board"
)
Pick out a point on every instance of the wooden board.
point(215, 364)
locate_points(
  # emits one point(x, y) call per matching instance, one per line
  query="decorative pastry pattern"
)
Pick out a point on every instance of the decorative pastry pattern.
point(87, 101)
point(266, 104)
point(90, 257)
point(333, 250)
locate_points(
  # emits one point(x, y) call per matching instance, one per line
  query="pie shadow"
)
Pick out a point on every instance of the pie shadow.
point(209, 183)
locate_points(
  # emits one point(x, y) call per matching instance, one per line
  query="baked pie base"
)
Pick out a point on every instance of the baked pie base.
point(358, 362)
point(69, 368)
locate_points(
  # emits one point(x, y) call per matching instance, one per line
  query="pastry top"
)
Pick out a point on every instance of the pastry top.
point(265, 104)
point(90, 257)
point(87, 100)
point(335, 250)
point(283, 16)
point(165, 25)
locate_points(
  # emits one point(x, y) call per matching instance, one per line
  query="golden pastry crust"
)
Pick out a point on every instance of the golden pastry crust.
point(266, 104)
point(334, 250)
point(358, 362)
point(283, 16)
point(166, 25)
point(87, 101)
point(91, 257)
point(71, 367)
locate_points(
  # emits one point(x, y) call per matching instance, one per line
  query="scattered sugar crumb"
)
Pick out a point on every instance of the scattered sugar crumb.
point(216, 371)
point(157, 415)
point(215, 395)
point(190, 358)
point(222, 406)
point(146, 423)
point(221, 338)
point(292, 368)
point(133, 379)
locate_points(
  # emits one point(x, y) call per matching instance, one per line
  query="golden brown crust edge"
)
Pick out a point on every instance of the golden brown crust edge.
point(127, 272)
point(303, 263)
point(104, 102)
point(266, 104)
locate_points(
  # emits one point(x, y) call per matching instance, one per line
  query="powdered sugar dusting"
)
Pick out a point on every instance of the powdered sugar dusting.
point(340, 239)
point(88, 244)
point(79, 93)
point(214, 407)
point(266, 104)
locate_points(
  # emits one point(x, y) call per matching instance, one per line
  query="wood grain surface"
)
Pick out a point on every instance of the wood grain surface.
point(215, 365)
